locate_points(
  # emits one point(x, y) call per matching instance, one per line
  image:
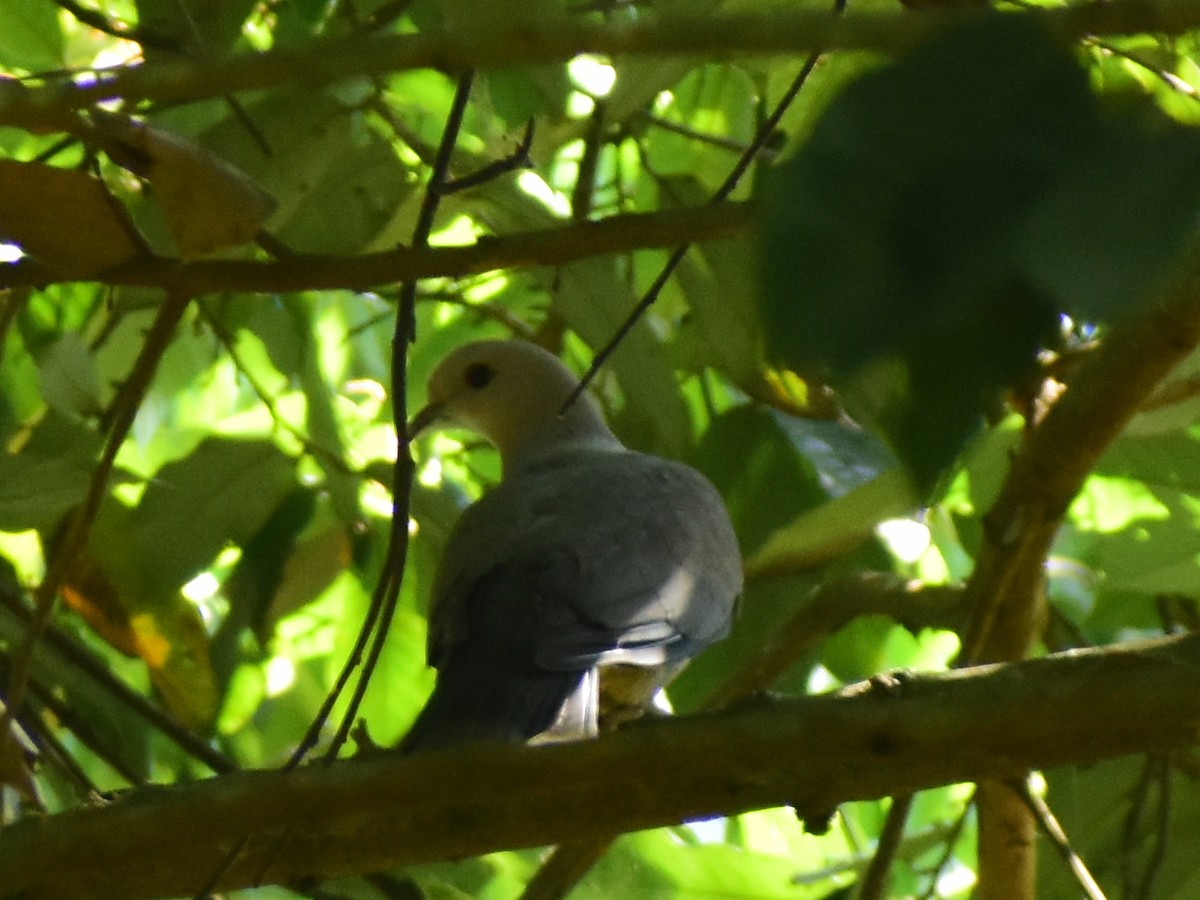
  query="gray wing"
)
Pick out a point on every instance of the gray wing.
point(588, 559)
point(633, 557)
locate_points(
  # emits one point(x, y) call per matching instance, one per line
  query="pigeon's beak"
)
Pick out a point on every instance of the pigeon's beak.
point(424, 419)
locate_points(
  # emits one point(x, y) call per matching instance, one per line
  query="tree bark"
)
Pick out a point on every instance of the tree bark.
point(866, 741)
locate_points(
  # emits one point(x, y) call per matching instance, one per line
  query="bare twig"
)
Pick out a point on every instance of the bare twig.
point(764, 134)
point(517, 159)
point(567, 865)
point(878, 877)
point(387, 593)
point(1058, 838)
point(75, 534)
point(1156, 773)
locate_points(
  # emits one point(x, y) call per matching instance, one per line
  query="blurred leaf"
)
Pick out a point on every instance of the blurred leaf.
point(831, 530)
point(31, 38)
point(127, 585)
point(163, 630)
point(761, 476)
point(723, 324)
point(1103, 238)
point(589, 299)
point(316, 561)
point(256, 578)
point(69, 381)
point(202, 27)
point(208, 203)
point(763, 481)
point(319, 162)
point(655, 864)
point(223, 491)
point(113, 725)
point(362, 190)
point(48, 476)
point(1097, 806)
point(63, 218)
point(517, 95)
point(1136, 519)
point(713, 109)
point(891, 234)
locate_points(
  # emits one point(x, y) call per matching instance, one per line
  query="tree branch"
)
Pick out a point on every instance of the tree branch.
point(1006, 590)
point(1133, 357)
point(370, 814)
point(305, 272)
point(555, 40)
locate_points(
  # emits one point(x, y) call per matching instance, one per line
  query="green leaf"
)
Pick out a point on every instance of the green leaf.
point(49, 476)
point(653, 864)
point(1103, 238)
point(762, 477)
point(320, 163)
point(594, 300)
point(31, 38)
point(223, 491)
point(819, 535)
point(890, 235)
point(722, 331)
point(69, 380)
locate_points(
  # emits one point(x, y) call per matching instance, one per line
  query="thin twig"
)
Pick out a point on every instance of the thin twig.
point(100, 675)
point(876, 880)
point(388, 592)
point(79, 726)
point(518, 159)
point(52, 749)
point(948, 851)
point(1058, 838)
point(79, 524)
point(714, 140)
point(765, 132)
point(568, 863)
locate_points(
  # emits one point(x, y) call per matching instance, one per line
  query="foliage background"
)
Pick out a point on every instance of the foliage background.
point(947, 230)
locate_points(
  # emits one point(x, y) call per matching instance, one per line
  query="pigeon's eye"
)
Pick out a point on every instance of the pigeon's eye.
point(479, 375)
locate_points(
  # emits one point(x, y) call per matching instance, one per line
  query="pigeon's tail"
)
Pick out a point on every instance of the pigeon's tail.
point(480, 699)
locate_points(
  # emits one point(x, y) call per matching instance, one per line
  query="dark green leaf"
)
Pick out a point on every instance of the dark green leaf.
point(891, 234)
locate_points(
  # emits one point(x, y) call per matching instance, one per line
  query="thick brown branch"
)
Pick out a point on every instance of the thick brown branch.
point(303, 272)
point(1005, 592)
point(831, 607)
point(864, 742)
point(1110, 387)
point(552, 40)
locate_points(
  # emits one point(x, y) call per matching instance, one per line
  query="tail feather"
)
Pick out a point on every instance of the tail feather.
point(474, 702)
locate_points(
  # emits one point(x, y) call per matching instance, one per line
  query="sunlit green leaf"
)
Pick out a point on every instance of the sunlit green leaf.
point(31, 37)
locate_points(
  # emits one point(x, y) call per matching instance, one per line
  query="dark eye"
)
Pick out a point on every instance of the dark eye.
point(479, 375)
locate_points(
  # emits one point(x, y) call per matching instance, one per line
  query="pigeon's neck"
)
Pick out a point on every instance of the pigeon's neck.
point(580, 429)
